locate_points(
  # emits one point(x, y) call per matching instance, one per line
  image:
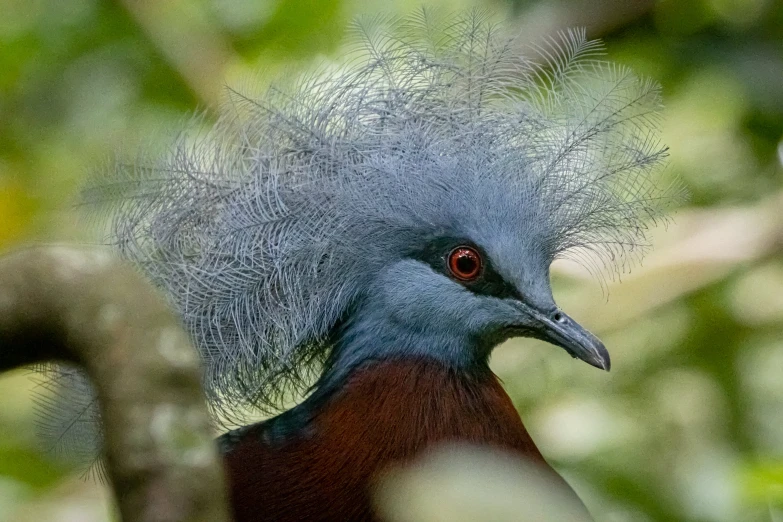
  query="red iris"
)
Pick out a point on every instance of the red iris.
point(465, 263)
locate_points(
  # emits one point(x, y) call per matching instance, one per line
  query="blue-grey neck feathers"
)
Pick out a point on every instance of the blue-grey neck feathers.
point(265, 230)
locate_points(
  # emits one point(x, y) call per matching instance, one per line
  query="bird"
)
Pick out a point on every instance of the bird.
point(358, 239)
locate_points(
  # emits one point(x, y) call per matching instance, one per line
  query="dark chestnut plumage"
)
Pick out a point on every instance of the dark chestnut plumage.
point(385, 414)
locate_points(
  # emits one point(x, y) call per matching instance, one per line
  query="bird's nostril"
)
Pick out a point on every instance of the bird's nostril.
point(558, 317)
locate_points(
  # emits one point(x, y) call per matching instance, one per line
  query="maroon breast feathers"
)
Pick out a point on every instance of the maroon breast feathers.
point(386, 413)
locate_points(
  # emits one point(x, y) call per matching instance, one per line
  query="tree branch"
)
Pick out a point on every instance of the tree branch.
point(85, 307)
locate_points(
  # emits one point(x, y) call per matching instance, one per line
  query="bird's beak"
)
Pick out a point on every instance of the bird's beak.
point(559, 329)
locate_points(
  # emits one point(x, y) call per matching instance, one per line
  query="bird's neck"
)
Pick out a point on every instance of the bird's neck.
point(400, 406)
point(407, 404)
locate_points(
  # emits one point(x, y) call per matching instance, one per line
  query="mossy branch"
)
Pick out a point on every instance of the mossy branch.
point(86, 307)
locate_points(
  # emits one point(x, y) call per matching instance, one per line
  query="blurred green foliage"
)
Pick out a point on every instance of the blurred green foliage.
point(689, 424)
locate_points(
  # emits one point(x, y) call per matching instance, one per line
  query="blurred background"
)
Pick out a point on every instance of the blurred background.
point(689, 423)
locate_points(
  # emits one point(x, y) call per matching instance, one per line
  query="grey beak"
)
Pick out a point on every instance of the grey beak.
point(559, 329)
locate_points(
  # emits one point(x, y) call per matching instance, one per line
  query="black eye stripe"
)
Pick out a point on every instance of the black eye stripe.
point(489, 283)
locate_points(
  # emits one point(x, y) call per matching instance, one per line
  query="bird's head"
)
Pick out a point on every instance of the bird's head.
point(466, 268)
point(410, 202)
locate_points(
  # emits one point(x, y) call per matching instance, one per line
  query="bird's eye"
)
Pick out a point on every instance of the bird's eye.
point(465, 263)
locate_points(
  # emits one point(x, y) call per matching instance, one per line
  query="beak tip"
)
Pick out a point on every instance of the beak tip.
point(600, 357)
point(598, 360)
